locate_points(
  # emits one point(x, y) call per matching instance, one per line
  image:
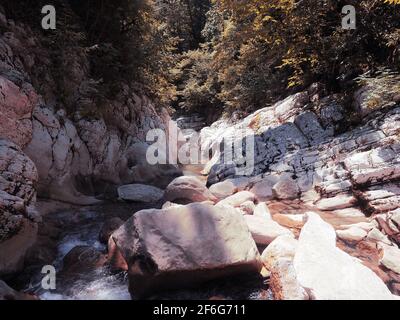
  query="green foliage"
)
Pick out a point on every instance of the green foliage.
point(202, 54)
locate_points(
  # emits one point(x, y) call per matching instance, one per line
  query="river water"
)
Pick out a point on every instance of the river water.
point(81, 226)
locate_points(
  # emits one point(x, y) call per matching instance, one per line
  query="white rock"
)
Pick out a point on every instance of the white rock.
point(367, 226)
point(391, 258)
point(261, 210)
point(396, 217)
point(263, 230)
point(335, 203)
point(376, 235)
point(237, 199)
point(328, 272)
point(223, 189)
point(349, 213)
point(352, 234)
point(140, 193)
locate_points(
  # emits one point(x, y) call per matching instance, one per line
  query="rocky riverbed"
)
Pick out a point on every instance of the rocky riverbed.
point(318, 217)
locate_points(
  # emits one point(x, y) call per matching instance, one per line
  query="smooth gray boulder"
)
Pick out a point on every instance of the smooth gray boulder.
point(140, 193)
point(188, 189)
point(184, 246)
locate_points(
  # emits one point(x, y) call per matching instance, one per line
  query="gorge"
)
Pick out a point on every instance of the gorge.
point(317, 218)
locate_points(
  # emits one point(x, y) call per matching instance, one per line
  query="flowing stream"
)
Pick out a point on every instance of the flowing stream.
point(81, 227)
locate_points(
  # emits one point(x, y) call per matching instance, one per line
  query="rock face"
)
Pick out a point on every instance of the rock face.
point(303, 151)
point(16, 106)
point(188, 189)
point(140, 193)
point(329, 273)
point(18, 226)
point(184, 246)
point(77, 155)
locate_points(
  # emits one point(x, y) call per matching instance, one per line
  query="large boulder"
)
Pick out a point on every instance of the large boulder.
point(188, 189)
point(184, 246)
point(286, 189)
point(329, 273)
point(140, 193)
point(263, 189)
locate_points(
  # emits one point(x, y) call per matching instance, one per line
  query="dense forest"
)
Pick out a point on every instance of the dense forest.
point(226, 55)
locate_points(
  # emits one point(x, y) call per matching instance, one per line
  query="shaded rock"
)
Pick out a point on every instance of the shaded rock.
point(264, 230)
point(263, 189)
point(184, 246)
point(329, 273)
point(109, 226)
point(140, 193)
point(115, 259)
point(286, 188)
point(14, 249)
point(189, 189)
point(7, 293)
point(82, 259)
point(309, 125)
